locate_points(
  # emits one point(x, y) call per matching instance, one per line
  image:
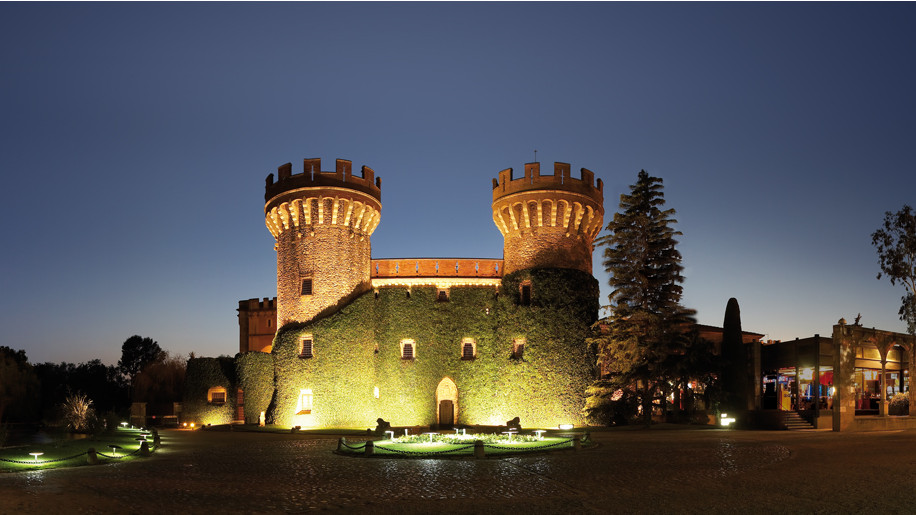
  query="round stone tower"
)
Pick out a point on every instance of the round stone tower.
point(322, 222)
point(548, 221)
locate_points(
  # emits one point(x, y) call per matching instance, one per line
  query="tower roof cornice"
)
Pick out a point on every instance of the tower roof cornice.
point(312, 176)
point(561, 180)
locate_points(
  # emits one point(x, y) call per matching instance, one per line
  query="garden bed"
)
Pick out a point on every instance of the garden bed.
point(111, 446)
point(431, 445)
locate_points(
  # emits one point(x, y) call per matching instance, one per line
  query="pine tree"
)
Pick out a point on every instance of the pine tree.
point(646, 332)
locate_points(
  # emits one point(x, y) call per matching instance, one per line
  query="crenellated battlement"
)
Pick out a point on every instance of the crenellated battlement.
point(312, 176)
point(268, 304)
point(560, 180)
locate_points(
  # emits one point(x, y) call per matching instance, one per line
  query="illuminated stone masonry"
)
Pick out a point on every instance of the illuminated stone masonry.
point(431, 341)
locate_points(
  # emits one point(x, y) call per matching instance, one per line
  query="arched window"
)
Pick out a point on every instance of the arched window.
point(468, 348)
point(408, 349)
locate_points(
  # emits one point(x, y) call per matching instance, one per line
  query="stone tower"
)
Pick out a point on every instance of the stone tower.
point(548, 221)
point(322, 222)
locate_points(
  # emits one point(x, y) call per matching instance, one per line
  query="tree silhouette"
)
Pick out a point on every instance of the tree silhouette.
point(646, 332)
point(136, 353)
point(895, 243)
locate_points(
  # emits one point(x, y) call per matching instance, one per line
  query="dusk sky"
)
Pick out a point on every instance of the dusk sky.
point(136, 139)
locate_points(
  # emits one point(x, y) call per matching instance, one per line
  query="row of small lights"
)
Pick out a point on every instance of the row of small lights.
point(463, 432)
point(114, 448)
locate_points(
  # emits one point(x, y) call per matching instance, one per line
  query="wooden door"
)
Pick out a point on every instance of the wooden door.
point(446, 413)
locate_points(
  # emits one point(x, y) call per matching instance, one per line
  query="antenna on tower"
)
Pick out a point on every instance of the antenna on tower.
point(535, 156)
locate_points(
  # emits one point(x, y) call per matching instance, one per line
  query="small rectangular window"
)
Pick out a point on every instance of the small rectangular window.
point(467, 351)
point(218, 398)
point(306, 287)
point(526, 294)
point(305, 350)
point(305, 402)
point(442, 295)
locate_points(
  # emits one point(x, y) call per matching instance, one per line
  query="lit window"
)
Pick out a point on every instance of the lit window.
point(305, 347)
point(408, 349)
point(304, 406)
point(216, 395)
point(468, 348)
point(306, 287)
point(518, 348)
point(442, 295)
point(525, 293)
point(375, 392)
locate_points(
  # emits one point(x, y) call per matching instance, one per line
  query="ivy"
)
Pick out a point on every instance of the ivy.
point(203, 374)
point(357, 349)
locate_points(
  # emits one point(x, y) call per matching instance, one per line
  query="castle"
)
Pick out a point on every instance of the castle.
point(350, 339)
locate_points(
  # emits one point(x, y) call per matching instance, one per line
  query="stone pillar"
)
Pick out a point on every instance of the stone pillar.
point(757, 390)
point(479, 451)
point(911, 354)
point(844, 366)
point(882, 400)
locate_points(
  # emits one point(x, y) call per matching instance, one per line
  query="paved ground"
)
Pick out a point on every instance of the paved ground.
point(632, 471)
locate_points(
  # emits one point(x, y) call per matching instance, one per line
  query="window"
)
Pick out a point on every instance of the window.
point(518, 348)
point(407, 349)
point(468, 348)
point(304, 406)
point(306, 287)
point(525, 293)
point(442, 295)
point(305, 347)
point(216, 395)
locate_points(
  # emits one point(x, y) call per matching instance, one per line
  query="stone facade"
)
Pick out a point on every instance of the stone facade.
point(257, 324)
point(341, 317)
point(548, 221)
point(322, 222)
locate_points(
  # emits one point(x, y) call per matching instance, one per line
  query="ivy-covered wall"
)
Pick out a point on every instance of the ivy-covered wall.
point(357, 350)
point(255, 371)
point(203, 374)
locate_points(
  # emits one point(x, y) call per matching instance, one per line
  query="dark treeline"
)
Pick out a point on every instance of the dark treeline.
point(36, 393)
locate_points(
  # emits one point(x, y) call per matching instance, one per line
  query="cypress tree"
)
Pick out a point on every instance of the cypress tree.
point(733, 374)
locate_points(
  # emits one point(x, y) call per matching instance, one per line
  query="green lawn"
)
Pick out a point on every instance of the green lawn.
point(425, 446)
point(71, 453)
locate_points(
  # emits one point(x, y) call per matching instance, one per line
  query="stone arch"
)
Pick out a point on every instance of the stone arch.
point(446, 397)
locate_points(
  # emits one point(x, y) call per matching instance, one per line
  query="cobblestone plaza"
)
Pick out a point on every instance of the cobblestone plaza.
point(630, 471)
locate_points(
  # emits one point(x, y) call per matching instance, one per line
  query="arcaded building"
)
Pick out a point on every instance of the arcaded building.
point(435, 341)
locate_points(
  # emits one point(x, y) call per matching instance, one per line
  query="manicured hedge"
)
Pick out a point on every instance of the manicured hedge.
point(203, 374)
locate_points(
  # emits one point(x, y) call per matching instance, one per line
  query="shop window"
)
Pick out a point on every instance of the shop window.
point(216, 395)
point(518, 348)
point(304, 405)
point(306, 347)
point(408, 350)
point(468, 348)
point(525, 293)
point(306, 287)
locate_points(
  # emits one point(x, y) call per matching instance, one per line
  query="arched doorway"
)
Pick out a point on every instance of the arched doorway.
point(446, 403)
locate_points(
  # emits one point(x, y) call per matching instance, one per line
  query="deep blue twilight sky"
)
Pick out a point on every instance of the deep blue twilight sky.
point(136, 138)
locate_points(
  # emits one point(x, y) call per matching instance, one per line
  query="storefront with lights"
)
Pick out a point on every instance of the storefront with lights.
point(846, 382)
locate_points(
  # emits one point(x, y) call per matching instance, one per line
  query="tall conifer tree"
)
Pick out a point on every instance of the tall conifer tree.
point(647, 325)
